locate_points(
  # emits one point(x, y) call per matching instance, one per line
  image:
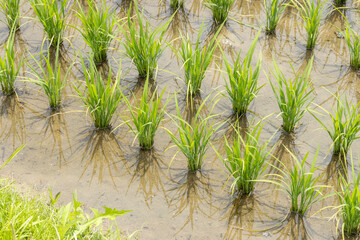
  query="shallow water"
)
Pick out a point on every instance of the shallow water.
point(107, 168)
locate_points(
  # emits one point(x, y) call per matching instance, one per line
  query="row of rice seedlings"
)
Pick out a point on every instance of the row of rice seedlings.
point(51, 14)
point(246, 159)
point(8, 69)
point(353, 43)
point(49, 77)
point(311, 13)
point(219, 8)
point(242, 80)
point(97, 29)
point(11, 10)
point(146, 116)
point(293, 97)
point(100, 97)
point(194, 137)
point(345, 125)
point(176, 3)
point(143, 46)
point(274, 10)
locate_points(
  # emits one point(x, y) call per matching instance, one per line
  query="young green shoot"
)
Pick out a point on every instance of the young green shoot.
point(219, 8)
point(97, 29)
point(242, 80)
point(353, 43)
point(11, 10)
point(293, 97)
point(274, 9)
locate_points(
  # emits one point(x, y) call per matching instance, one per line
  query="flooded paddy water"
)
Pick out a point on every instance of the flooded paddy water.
point(64, 152)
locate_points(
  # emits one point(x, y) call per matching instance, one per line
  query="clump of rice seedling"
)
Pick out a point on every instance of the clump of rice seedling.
point(11, 10)
point(101, 96)
point(274, 10)
point(345, 125)
point(146, 116)
point(176, 3)
point(311, 13)
point(349, 198)
point(301, 186)
point(293, 97)
point(194, 138)
point(8, 69)
point(245, 159)
point(143, 46)
point(353, 42)
point(340, 2)
point(51, 14)
point(242, 84)
point(49, 77)
point(97, 29)
point(219, 8)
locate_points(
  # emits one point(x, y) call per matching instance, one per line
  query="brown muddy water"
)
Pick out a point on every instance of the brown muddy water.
point(107, 168)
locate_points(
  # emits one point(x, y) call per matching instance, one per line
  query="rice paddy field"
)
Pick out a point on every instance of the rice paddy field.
point(96, 139)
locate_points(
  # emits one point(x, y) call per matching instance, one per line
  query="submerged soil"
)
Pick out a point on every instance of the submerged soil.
point(107, 168)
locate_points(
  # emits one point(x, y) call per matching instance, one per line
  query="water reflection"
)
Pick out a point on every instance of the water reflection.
point(293, 227)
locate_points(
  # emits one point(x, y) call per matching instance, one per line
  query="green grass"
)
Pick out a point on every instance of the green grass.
point(245, 159)
point(176, 3)
point(219, 8)
point(146, 116)
point(51, 14)
point(143, 45)
point(300, 185)
point(242, 80)
point(11, 10)
point(100, 97)
point(9, 71)
point(293, 97)
point(353, 43)
point(97, 28)
point(345, 125)
point(274, 10)
point(49, 77)
point(311, 13)
point(194, 138)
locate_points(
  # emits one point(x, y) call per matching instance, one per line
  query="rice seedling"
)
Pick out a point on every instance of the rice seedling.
point(49, 77)
point(176, 3)
point(300, 185)
point(146, 116)
point(219, 8)
point(101, 97)
point(345, 125)
point(11, 10)
point(293, 97)
point(349, 197)
point(242, 80)
point(311, 12)
point(8, 69)
point(51, 14)
point(194, 138)
point(143, 46)
point(245, 159)
point(274, 10)
point(353, 43)
point(97, 29)
point(339, 2)
point(195, 61)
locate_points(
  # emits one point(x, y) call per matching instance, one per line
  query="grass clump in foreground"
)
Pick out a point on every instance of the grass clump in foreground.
point(11, 10)
point(194, 138)
point(293, 97)
point(311, 12)
point(176, 3)
point(51, 14)
point(345, 125)
point(245, 159)
point(8, 69)
point(97, 29)
point(219, 8)
point(242, 84)
point(146, 116)
point(274, 10)
point(353, 43)
point(49, 77)
point(101, 97)
point(143, 46)
point(300, 185)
